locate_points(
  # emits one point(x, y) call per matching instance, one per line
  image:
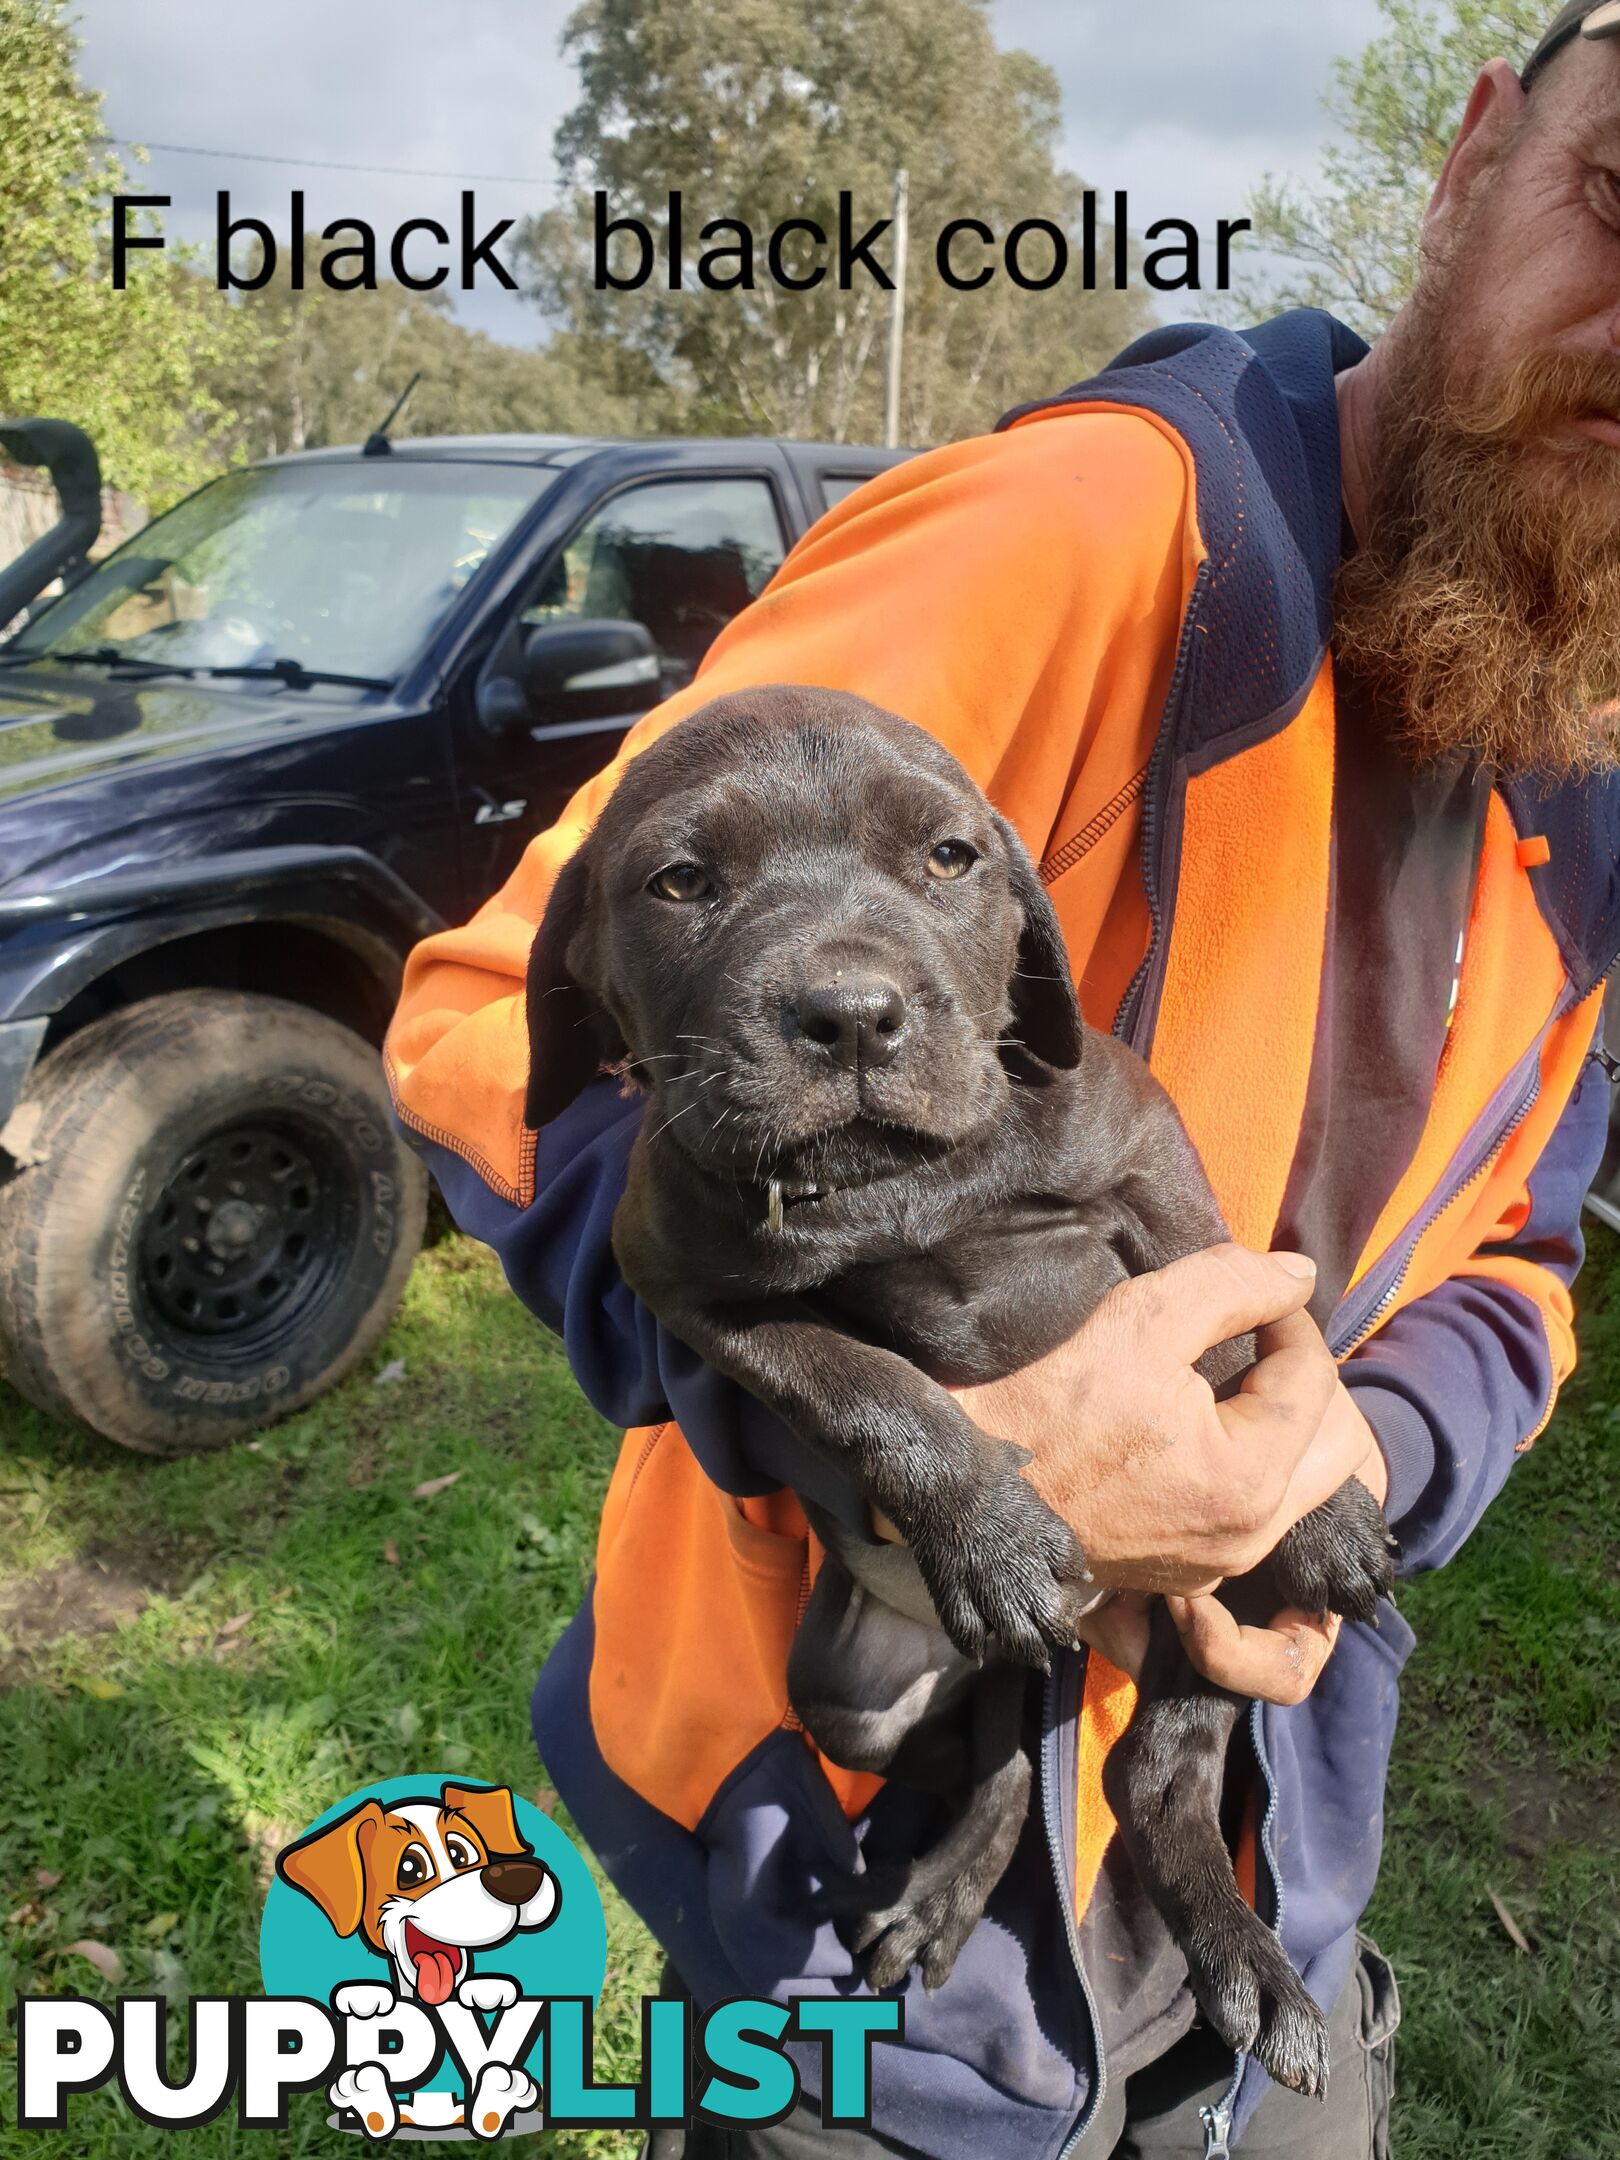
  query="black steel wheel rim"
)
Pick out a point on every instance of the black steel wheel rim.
point(248, 1235)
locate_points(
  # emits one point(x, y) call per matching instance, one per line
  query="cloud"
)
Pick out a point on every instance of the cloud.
point(1247, 70)
point(406, 83)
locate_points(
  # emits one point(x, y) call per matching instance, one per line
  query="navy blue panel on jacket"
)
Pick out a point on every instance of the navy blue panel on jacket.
point(1261, 418)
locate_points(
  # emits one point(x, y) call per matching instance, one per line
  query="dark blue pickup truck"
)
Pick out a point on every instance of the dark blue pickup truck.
point(245, 762)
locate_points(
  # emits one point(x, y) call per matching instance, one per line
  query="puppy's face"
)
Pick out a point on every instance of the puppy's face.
point(817, 942)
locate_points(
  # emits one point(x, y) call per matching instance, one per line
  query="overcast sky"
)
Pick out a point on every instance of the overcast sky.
point(1186, 103)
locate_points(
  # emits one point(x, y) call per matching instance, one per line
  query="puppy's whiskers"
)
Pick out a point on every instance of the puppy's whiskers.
point(686, 1111)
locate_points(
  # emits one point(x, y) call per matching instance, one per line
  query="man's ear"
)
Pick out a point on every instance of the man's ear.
point(1493, 109)
point(491, 1815)
point(571, 1034)
point(1046, 1012)
point(329, 1865)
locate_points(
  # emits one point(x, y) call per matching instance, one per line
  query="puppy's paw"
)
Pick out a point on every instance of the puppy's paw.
point(1293, 2043)
point(364, 2092)
point(1338, 1558)
point(1258, 2004)
point(363, 1999)
point(929, 1932)
point(1001, 1566)
point(487, 1991)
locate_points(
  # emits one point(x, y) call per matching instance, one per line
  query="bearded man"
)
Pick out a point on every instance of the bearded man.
point(1295, 666)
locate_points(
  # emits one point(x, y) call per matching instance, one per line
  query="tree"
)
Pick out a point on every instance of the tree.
point(1350, 242)
point(316, 366)
point(127, 366)
point(758, 110)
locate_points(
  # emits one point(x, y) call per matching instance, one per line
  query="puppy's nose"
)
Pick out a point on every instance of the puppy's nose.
point(514, 1882)
point(857, 1019)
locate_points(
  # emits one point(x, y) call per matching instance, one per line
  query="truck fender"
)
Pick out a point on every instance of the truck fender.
point(55, 944)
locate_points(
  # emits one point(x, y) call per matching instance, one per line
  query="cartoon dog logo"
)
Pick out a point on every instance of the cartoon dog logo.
point(427, 1884)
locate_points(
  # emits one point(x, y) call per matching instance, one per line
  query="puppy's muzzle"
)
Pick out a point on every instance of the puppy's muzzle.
point(853, 1020)
point(513, 1882)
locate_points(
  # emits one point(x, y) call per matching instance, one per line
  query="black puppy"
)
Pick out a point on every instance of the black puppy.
point(883, 1156)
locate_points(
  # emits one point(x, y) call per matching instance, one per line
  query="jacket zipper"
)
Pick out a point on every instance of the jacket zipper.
point(1124, 1025)
point(1217, 2123)
point(1217, 2120)
point(1484, 1164)
point(1131, 1005)
point(1342, 1348)
point(1065, 1663)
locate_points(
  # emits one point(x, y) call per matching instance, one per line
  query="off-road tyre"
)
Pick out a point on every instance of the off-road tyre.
point(213, 1223)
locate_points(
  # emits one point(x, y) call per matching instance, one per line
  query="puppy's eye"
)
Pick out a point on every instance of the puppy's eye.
point(415, 1867)
point(460, 1852)
point(951, 859)
point(681, 881)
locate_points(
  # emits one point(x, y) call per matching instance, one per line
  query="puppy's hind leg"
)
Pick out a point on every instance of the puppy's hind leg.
point(883, 1691)
point(927, 1916)
point(876, 1689)
point(1163, 1780)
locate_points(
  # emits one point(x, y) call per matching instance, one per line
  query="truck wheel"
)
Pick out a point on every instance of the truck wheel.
point(214, 1225)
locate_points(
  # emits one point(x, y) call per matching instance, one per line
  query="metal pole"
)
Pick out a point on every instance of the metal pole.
point(897, 307)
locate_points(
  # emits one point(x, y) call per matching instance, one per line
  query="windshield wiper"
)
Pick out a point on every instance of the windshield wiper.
point(99, 656)
point(298, 677)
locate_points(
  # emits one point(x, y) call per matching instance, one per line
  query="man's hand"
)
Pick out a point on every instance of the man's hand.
point(1280, 1663)
point(1165, 1488)
point(1169, 1490)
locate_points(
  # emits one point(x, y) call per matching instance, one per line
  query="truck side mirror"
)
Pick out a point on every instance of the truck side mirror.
point(575, 671)
point(577, 659)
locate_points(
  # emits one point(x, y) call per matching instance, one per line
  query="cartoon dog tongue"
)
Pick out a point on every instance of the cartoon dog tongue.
point(436, 1964)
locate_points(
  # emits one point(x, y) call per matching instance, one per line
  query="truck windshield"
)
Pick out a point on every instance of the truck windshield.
point(343, 568)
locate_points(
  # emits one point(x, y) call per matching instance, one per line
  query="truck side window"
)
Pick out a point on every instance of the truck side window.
point(681, 557)
point(835, 486)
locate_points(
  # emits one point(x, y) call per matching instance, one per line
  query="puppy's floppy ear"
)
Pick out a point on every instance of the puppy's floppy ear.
point(1046, 1012)
point(571, 1034)
point(329, 1865)
point(491, 1814)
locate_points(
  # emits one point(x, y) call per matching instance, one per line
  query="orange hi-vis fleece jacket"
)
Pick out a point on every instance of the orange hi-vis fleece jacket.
point(1116, 610)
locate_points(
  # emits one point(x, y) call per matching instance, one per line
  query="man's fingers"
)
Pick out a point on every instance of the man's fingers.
point(1280, 1663)
point(1292, 1383)
point(1209, 1297)
point(1119, 1630)
point(1337, 1453)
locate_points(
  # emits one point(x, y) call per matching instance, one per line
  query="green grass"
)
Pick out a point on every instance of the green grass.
point(1507, 1780)
point(155, 1763)
point(157, 1768)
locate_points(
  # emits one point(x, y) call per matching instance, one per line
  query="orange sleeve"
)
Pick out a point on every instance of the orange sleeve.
point(1019, 595)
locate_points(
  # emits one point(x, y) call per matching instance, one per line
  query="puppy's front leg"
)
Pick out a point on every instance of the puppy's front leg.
point(997, 1561)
